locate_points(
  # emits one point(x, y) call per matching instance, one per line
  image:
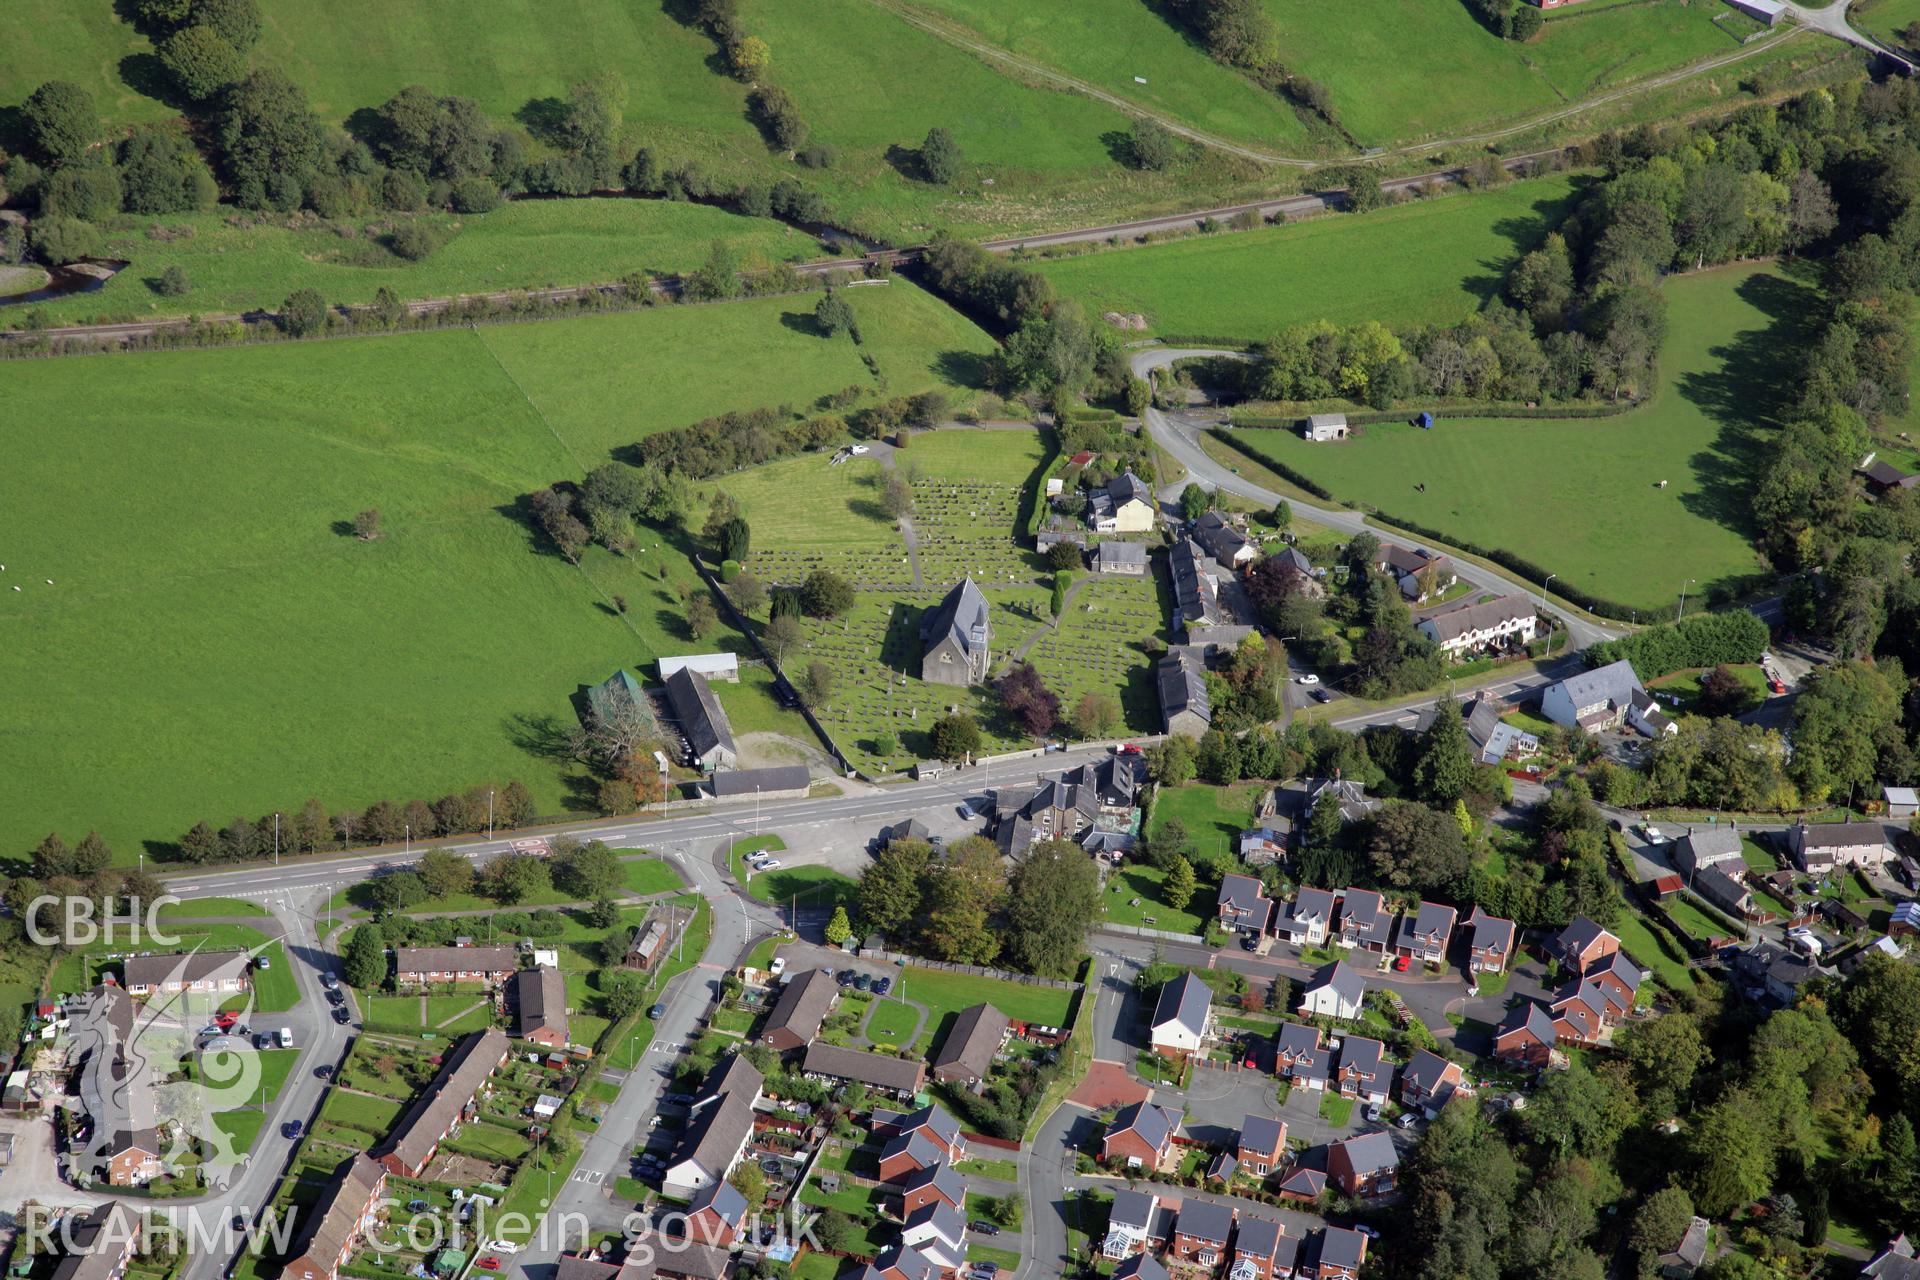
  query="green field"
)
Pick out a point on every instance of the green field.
point(226, 642)
point(1581, 498)
point(1400, 72)
point(525, 244)
point(1427, 261)
point(948, 993)
point(1213, 816)
point(274, 990)
point(1134, 897)
point(1884, 18)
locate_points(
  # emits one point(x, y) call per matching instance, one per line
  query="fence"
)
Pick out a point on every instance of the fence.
point(1139, 931)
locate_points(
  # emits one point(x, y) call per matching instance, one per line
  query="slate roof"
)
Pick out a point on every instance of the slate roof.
point(454, 959)
point(1363, 1055)
point(1491, 930)
point(1132, 1209)
point(1258, 1236)
point(1204, 1220)
point(1367, 911)
point(97, 1237)
point(1577, 937)
point(698, 712)
point(1706, 845)
point(539, 1001)
point(916, 1145)
point(1185, 1001)
point(941, 1177)
point(1154, 1123)
point(1182, 687)
point(899, 1074)
point(963, 617)
point(723, 1117)
point(1313, 904)
point(972, 1042)
point(1371, 1152)
point(1530, 1016)
point(1451, 624)
point(462, 1071)
point(1262, 1133)
point(726, 1202)
point(193, 966)
point(727, 783)
point(1115, 553)
point(1244, 894)
point(803, 1005)
point(1346, 981)
point(1141, 1266)
point(1614, 683)
point(1222, 541)
point(947, 1222)
point(1838, 835)
point(1128, 487)
point(932, 1119)
point(1342, 1247)
point(1196, 591)
point(1305, 1182)
point(1434, 923)
point(1424, 1071)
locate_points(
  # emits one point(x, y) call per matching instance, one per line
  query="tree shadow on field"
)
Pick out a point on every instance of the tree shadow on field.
point(802, 322)
point(342, 528)
point(906, 162)
point(544, 737)
point(1744, 394)
point(1119, 145)
point(147, 76)
point(13, 130)
point(545, 118)
point(963, 368)
point(367, 125)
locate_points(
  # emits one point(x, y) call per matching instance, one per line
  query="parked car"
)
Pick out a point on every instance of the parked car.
point(657, 1012)
point(329, 981)
point(1402, 963)
point(1308, 678)
point(862, 982)
point(677, 1099)
point(1323, 695)
point(1367, 1231)
point(1372, 1111)
point(291, 1129)
point(770, 864)
point(1407, 1121)
point(488, 1263)
point(323, 1072)
point(262, 962)
point(336, 996)
point(844, 977)
point(340, 1015)
point(966, 810)
point(1653, 834)
point(984, 1227)
point(882, 985)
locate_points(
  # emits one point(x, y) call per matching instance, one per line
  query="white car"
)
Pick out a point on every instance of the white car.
point(859, 449)
point(500, 1246)
point(769, 864)
point(1653, 834)
point(1308, 678)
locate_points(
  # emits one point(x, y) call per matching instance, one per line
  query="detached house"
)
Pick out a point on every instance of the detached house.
point(1201, 1232)
point(1261, 1250)
point(1263, 1145)
point(1308, 918)
point(1135, 1223)
point(1123, 505)
point(1336, 991)
point(1243, 905)
point(1364, 1071)
point(1593, 700)
point(1581, 945)
point(1429, 1081)
point(956, 638)
point(1526, 1036)
point(1342, 1253)
point(1141, 1266)
point(1421, 575)
point(1491, 944)
point(1424, 936)
point(1364, 1165)
point(966, 1055)
point(1366, 923)
point(803, 1005)
point(1140, 1135)
point(1300, 1057)
point(1182, 1018)
point(540, 1006)
point(1493, 738)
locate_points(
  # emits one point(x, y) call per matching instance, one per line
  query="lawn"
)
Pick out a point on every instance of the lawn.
point(1399, 72)
point(1581, 498)
point(274, 990)
point(1693, 919)
point(1686, 685)
point(948, 993)
point(1134, 893)
point(443, 1016)
point(1336, 1110)
point(891, 1021)
point(1885, 18)
point(1643, 946)
point(359, 1111)
point(236, 263)
point(225, 642)
point(209, 908)
point(817, 888)
point(1213, 816)
point(1428, 261)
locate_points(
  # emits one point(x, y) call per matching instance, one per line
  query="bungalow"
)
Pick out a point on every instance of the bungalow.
point(432, 966)
point(1364, 1071)
point(1258, 1246)
point(715, 1213)
point(897, 1076)
point(1122, 559)
point(932, 1185)
point(717, 1130)
point(1140, 1135)
point(1491, 945)
point(938, 1231)
point(702, 721)
point(1690, 1253)
point(1365, 920)
point(1224, 541)
point(1820, 847)
point(1470, 628)
point(803, 1005)
point(1429, 1081)
point(1493, 738)
point(1201, 1232)
point(1308, 918)
point(450, 1099)
point(540, 1006)
point(775, 782)
point(1526, 1036)
point(1593, 700)
point(1342, 1253)
point(1581, 945)
point(1424, 936)
point(1182, 1018)
point(1185, 709)
point(956, 637)
point(1263, 1145)
point(220, 972)
point(1364, 1165)
point(1299, 1056)
point(1243, 905)
point(1421, 575)
point(966, 1054)
point(1132, 1223)
point(1335, 991)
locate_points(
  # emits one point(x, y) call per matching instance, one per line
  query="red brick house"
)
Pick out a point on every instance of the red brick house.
point(1263, 1145)
point(1260, 1250)
point(1364, 1071)
point(714, 1215)
point(1342, 1253)
point(448, 1101)
point(1429, 1081)
point(1526, 1036)
point(931, 1185)
point(1581, 945)
point(1141, 1134)
point(1491, 946)
point(1364, 1165)
point(1200, 1233)
point(338, 1220)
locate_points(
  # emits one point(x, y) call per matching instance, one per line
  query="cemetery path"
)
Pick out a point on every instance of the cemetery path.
point(1066, 602)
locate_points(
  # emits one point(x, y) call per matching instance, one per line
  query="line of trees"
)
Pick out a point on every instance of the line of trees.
point(1703, 640)
point(312, 828)
point(1243, 35)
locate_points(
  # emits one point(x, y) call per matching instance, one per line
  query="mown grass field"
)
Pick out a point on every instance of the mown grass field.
point(1400, 72)
point(208, 614)
point(1428, 260)
point(1581, 498)
point(1885, 18)
point(235, 263)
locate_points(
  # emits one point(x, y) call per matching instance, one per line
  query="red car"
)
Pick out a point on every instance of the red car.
point(1130, 749)
point(1401, 964)
point(488, 1263)
point(225, 1021)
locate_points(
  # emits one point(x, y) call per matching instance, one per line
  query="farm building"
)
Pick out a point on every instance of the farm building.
point(613, 696)
point(1322, 427)
point(714, 666)
point(1768, 12)
point(956, 638)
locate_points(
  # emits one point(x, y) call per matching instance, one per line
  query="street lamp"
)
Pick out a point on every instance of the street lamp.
point(489, 813)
